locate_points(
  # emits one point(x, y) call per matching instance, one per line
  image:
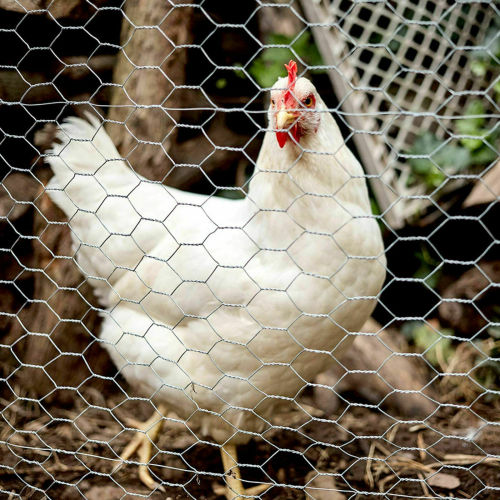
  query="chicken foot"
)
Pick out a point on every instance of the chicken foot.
point(234, 489)
point(142, 443)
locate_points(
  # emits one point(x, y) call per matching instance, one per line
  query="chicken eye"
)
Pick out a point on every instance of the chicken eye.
point(307, 101)
point(273, 102)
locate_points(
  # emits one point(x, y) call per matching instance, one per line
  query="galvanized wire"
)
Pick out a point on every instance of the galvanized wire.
point(397, 71)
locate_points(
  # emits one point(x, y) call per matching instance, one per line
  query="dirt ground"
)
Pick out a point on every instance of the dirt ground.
point(67, 453)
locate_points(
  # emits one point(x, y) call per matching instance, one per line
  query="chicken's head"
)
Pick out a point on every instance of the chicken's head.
point(293, 112)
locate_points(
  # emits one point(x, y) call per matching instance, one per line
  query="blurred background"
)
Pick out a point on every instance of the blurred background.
point(415, 88)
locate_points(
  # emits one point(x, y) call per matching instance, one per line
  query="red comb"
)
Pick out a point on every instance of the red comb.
point(291, 67)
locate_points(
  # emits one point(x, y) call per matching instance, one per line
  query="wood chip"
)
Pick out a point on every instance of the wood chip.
point(421, 446)
point(485, 190)
point(381, 484)
point(325, 399)
point(397, 379)
point(16, 194)
point(392, 433)
point(423, 484)
point(418, 427)
point(19, 6)
point(368, 472)
point(445, 481)
point(322, 487)
point(281, 476)
point(108, 492)
point(461, 459)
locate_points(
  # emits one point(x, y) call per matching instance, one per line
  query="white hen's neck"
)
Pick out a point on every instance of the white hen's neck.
point(320, 165)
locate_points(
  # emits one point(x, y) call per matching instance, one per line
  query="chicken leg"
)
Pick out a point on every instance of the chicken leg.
point(142, 442)
point(234, 489)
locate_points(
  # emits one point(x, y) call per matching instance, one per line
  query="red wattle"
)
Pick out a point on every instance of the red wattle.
point(282, 137)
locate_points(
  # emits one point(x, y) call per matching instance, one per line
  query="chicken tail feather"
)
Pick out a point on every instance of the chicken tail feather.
point(86, 165)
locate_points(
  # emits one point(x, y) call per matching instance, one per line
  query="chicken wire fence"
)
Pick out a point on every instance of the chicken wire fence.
point(410, 410)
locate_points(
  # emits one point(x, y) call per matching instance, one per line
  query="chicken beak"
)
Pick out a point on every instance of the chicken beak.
point(284, 119)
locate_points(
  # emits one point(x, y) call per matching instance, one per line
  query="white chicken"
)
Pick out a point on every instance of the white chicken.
point(221, 309)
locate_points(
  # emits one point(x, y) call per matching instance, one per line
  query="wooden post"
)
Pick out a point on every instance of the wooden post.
point(149, 67)
point(53, 8)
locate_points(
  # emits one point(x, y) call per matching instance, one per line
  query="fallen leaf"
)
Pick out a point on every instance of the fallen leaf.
point(442, 480)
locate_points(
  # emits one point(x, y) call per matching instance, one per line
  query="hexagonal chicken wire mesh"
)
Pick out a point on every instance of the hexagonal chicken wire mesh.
point(191, 260)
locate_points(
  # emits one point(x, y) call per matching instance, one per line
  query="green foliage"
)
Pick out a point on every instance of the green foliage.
point(488, 372)
point(374, 205)
point(441, 351)
point(268, 67)
point(221, 83)
point(399, 35)
point(437, 157)
point(428, 267)
point(232, 194)
point(482, 144)
point(494, 331)
point(436, 346)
